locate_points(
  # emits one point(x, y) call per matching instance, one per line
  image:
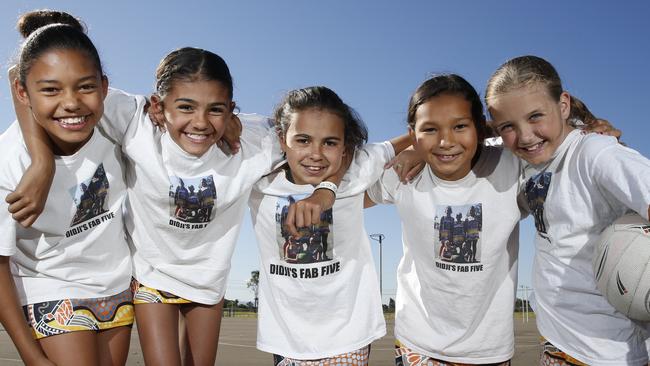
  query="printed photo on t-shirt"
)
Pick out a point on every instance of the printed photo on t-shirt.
point(90, 196)
point(457, 233)
point(192, 199)
point(315, 243)
point(535, 191)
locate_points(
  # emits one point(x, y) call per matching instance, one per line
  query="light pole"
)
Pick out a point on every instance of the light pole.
point(379, 238)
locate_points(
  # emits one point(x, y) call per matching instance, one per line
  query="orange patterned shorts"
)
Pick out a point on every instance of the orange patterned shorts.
point(148, 295)
point(404, 356)
point(71, 315)
point(553, 356)
point(355, 358)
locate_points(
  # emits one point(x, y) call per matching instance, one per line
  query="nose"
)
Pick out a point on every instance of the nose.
point(201, 121)
point(525, 133)
point(447, 138)
point(316, 151)
point(71, 102)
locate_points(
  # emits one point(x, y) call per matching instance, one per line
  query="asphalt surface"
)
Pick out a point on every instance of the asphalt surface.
point(237, 346)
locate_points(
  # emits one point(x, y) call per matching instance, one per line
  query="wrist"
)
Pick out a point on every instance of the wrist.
point(332, 187)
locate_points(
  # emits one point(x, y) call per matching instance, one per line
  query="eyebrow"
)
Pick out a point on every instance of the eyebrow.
point(304, 135)
point(192, 101)
point(48, 81)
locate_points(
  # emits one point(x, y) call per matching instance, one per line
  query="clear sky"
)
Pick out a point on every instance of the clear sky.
point(373, 54)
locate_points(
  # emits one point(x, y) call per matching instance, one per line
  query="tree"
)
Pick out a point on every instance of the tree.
point(253, 284)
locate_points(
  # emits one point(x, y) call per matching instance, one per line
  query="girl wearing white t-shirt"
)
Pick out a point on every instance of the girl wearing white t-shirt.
point(579, 184)
point(71, 270)
point(319, 297)
point(460, 228)
point(186, 199)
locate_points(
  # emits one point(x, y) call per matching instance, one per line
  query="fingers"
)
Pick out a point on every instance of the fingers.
point(301, 214)
point(414, 171)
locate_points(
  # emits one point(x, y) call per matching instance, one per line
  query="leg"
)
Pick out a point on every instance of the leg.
point(113, 346)
point(74, 348)
point(158, 332)
point(203, 323)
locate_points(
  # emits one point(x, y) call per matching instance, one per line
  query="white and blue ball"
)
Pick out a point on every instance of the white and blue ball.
point(622, 266)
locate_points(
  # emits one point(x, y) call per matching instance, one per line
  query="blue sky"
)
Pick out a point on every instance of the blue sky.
point(373, 54)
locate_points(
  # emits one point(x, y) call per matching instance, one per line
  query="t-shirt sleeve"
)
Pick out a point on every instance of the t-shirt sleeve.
point(120, 111)
point(623, 174)
point(366, 168)
point(258, 135)
point(7, 224)
point(385, 189)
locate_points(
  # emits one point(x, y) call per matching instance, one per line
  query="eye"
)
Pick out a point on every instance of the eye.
point(429, 130)
point(332, 143)
point(536, 116)
point(187, 108)
point(302, 140)
point(461, 126)
point(217, 111)
point(49, 90)
point(88, 88)
point(503, 128)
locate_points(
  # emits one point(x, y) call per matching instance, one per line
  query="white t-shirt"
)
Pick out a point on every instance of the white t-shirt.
point(457, 279)
point(318, 295)
point(184, 212)
point(591, 181)
point(76, 248)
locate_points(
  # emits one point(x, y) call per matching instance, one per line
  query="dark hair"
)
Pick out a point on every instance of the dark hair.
point(322, 98)
point(31, 21)
point(53, 37)
point(191, 64)
point(449, 84)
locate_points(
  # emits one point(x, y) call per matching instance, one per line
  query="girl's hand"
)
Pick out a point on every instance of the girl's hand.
point(27, 201)
point(307, 212)
point(406, 164)
point(229, 142)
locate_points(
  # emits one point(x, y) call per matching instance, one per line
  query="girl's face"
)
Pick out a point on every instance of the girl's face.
point(65, 93)
point(531, 123)
point(196, 113)
point(445, 135)
point(314, 144)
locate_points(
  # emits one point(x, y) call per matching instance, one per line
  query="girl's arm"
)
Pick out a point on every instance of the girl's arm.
point(28, 199)
point(13, 319)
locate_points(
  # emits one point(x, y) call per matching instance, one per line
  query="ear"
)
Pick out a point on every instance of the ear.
point(233, 105)
point(283, 142)
point(565, 105)
point(104, 86)
point(156, 103)
point(21, 93)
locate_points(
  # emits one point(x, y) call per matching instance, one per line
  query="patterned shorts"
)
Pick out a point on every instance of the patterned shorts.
point(71, 315)
point(406, 357)
point(147, 295)
point(553, 356)
point(355, 358)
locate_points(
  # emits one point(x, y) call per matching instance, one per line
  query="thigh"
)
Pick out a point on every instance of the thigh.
point(202, 326)
point(158, 332)
point(113, 346)
point(73, 348)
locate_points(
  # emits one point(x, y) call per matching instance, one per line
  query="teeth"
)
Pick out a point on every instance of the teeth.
point(194, 136)
point(72, 120)
point(313, 168)
point(534, 147)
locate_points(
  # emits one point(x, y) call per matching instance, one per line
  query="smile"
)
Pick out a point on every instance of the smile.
point(195, 137)
point(532, 149)
point(446, 157)
point(72, 123)
point(313, 169)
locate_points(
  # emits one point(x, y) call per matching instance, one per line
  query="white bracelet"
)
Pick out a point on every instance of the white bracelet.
point(327, 185)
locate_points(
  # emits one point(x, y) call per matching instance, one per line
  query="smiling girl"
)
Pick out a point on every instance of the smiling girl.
point(319, 296)
point(579, 184)
point(71, 270)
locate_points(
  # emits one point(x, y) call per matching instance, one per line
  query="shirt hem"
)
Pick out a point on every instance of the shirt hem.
point(580, 357)
point(195, 299)
point(62, 296)
point(314, 356)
